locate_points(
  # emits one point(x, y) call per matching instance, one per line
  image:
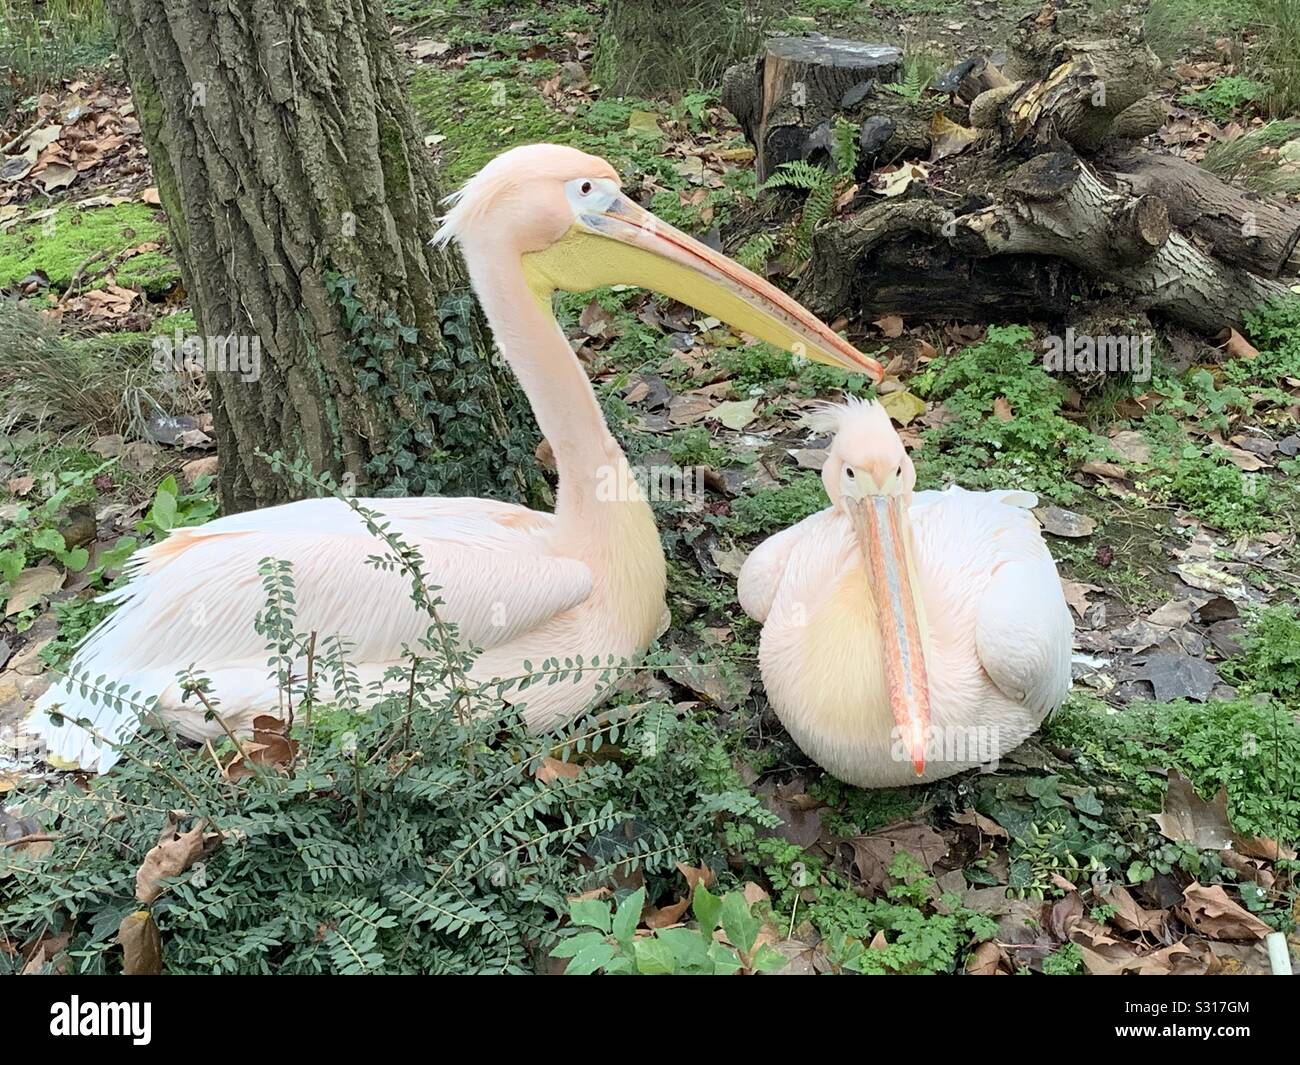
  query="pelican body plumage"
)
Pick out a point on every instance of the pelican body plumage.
point(906, 635)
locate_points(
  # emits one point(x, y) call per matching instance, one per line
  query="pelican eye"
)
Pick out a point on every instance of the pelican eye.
point(848, 471)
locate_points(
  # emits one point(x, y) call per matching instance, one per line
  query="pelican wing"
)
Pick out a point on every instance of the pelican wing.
point(194, 597)
point(760, 576)
point(491, 569)
point(1023, 630)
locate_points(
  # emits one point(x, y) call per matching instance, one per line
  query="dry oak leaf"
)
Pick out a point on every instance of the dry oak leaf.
point(172, 855)
point(1213, 914)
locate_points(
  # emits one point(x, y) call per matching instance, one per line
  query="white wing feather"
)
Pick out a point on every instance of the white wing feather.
point(193, 597)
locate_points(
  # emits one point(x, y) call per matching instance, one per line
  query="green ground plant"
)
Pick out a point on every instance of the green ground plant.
point(614, 948)
point(1034, 448)
point(778, 506)
point(1225, 96)
point(417, 837)
point(1250, 748)
point(42, 42)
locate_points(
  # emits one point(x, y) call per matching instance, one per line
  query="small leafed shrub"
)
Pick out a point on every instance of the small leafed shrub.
point(429, 833)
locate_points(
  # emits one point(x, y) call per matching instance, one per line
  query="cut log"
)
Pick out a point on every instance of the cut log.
point(981, 77)
point(1083, 97)
point(1053, 206)
point(1239, 227)
point(1056, 185)
point(797, 84)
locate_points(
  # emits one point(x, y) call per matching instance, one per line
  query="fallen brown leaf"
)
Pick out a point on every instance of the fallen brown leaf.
point(891, 325)
point(172, 855)
point(1213, 914)
point(141, 944)
point(988, 959)
point(552, 769)
point(986, 825)
point(1237, 346)
point(1189, 818)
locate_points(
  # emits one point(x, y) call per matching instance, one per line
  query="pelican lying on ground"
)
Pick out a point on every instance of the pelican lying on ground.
point(906, 636)
point(522, 585)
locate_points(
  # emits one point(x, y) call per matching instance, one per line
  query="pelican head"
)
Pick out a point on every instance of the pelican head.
point(869, 476)
point(563, 213)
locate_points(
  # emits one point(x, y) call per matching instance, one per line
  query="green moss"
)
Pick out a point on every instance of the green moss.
point(392, 150)
point(151, 272)
point(480, 116)
point(167, 324)
point(78, 234)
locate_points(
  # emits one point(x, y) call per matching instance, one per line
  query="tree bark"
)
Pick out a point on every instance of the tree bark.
point(301, 207)
point(796, 85)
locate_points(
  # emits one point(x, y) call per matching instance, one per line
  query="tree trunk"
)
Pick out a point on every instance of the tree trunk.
point(301, 208)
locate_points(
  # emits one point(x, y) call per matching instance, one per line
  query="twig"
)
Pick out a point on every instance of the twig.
point(13, 144)
point(36, 837)
point(239, 747)
point(90, 260)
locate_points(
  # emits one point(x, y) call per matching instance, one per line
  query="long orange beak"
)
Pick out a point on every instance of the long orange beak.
point(885, 537)
point(619, 242)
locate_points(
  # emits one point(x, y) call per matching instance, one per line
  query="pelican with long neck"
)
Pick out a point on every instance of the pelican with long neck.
point(545, 218)
point(521, 586)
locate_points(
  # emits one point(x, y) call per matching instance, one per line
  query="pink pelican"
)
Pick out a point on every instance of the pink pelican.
point(520, 585)
point(906, 636)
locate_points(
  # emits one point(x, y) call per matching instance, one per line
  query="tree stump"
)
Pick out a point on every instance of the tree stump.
point(797, 84)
